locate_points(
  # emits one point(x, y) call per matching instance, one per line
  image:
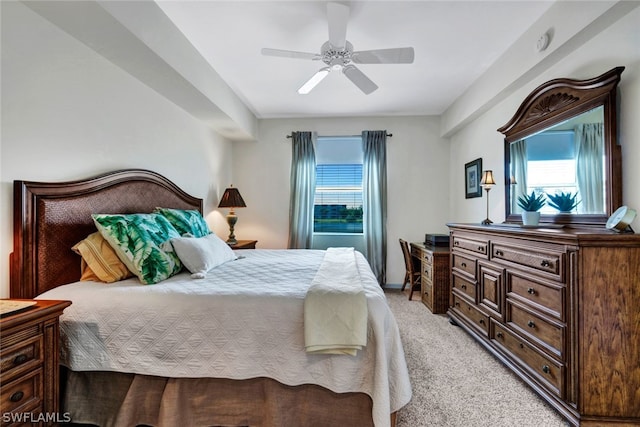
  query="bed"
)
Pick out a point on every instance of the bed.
point(227, 349)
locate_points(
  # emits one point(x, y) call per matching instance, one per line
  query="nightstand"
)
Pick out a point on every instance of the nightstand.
point(244, 244)
point(29, 359)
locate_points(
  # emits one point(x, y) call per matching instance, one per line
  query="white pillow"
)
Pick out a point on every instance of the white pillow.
point(201, 254)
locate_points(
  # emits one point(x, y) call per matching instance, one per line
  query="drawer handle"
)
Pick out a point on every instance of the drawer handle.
point(16, 397)
point(499, 252)
point(481, 321)
point(463, 286)
point(464, 264)
point(500, 335)
point(457, 304)
point(20, 359)
point(531, 324)
point(545, 263)
point(531, 291)
point(546, 369)
point(481, 248)
point(456, 243)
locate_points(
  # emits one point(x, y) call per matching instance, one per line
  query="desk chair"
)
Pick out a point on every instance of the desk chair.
point(412, 274)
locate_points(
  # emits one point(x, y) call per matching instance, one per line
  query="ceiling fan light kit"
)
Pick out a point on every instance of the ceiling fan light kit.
point(338, 54)
point(313, 81)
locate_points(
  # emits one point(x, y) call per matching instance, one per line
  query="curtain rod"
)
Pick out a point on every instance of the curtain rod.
point(342, 136)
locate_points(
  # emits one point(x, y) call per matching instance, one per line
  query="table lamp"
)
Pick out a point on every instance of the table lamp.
point(231, 199)
point(487, 182)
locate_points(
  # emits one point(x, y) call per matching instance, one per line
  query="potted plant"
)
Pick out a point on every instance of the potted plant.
point(564, 202)
point(531, 204)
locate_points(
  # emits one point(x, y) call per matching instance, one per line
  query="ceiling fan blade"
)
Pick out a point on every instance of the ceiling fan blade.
point(290, 54)
point(338, 16)
point(314, 80)
point(359, 79)
point(399, 55)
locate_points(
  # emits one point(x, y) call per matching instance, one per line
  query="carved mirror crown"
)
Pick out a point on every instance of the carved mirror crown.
point(550, 125)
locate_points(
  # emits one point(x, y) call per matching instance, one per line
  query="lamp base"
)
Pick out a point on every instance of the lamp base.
point(231, 220)
point(487, 221)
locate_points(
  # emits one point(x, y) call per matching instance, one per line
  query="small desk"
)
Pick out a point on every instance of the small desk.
point(434, 278)
point(244, 244)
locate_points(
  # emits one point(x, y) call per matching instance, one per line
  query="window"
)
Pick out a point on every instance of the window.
point(551, 166)
point(551, 177)
point(338, 196)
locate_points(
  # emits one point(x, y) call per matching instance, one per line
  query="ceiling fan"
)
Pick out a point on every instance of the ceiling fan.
point(338, 54)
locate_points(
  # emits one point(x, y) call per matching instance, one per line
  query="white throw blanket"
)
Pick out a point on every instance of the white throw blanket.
point(335, 307)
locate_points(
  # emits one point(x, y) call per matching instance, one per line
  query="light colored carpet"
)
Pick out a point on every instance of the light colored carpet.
point(456, 382)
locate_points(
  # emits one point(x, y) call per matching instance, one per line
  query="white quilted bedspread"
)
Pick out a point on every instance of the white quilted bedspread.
point(245, 320)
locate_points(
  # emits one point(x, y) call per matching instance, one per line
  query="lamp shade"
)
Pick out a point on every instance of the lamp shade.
point(231, 199)
point(487, 178)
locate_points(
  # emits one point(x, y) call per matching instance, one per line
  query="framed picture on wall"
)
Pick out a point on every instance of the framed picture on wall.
point(472, 173)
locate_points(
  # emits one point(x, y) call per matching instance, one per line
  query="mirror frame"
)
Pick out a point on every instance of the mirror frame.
point(554, 102)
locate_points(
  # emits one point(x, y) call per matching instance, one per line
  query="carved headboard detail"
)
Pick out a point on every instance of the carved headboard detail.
point(49, 218)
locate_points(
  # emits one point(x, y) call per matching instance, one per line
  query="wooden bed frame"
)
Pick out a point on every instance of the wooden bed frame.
point(49, 218)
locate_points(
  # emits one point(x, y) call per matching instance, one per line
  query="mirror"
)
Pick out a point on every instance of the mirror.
point(562, 139)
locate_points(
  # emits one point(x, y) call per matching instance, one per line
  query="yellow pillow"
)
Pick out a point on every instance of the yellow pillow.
point(99, 260)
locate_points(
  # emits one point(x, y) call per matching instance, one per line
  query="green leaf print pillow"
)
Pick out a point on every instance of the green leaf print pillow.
point(138, 241)
point(189, 222)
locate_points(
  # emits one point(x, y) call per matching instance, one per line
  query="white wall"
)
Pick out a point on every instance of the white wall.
point(67, 113)
point(617, 44)
point(417, 171)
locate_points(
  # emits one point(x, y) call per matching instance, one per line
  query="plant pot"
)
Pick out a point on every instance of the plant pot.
point(530, 218)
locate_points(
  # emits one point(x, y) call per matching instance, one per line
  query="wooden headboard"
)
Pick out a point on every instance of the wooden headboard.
point(49, 218)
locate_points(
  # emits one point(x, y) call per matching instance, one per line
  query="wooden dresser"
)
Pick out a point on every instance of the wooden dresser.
point(561, 308)
point(434, 276)
point(29, 363)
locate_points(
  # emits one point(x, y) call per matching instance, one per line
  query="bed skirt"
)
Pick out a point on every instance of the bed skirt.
point(118, 399)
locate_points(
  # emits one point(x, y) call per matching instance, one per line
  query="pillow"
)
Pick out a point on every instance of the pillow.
point(201, 254)
point(185, 221)
point(99, 261)
point(87, 275)
point(138, 240)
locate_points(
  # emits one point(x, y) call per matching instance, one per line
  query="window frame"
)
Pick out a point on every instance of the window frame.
point(353, 189)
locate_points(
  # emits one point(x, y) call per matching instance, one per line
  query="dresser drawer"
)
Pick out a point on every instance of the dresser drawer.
point(427, 294)
point(547, 297)
point(549, 334)
point(21, 357)
point(544, 369)
point(24, 394)
point(416, 251)
point(464, 264)
point(427, 257)
point(478, 319)
point(490, 287)
point(464, 286)
point(479, 247)
point(547, 261)
point(427, 277)
point(427, 270)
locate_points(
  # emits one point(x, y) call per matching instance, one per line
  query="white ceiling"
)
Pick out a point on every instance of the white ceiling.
point(454, 42)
